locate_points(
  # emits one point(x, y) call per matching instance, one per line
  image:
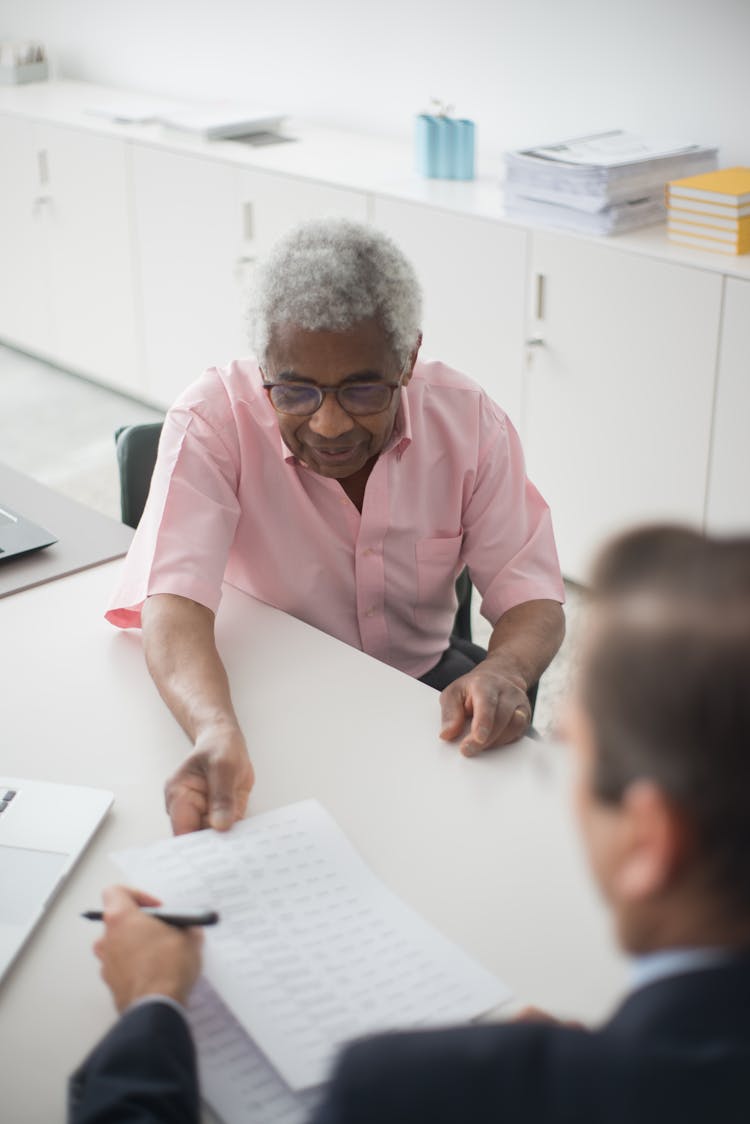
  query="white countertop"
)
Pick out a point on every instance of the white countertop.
point(363, 162)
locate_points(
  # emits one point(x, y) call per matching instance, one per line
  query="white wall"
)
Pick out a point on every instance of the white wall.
point(526, 70)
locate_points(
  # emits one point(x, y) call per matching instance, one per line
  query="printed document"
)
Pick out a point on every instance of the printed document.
point(312, 949)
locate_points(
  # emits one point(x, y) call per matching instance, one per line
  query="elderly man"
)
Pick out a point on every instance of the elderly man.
point(343, 481)
point(660, 728)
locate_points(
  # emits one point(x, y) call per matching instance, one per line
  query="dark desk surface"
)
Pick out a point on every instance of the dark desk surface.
point(85, 538)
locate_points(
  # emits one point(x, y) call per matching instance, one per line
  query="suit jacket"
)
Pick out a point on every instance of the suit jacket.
point(676, 1050)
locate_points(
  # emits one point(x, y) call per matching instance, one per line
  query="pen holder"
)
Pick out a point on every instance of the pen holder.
point(444, 147)
point(15, 74)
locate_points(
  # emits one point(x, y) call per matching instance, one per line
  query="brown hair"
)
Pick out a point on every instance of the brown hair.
point(667, 684)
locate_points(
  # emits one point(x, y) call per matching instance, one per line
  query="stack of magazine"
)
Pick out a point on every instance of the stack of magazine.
point(606, 183)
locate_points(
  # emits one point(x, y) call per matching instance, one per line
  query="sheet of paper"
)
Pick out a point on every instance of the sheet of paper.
point(131, 110)
point(611, 149)
point(312, 949)
point(236, 1079)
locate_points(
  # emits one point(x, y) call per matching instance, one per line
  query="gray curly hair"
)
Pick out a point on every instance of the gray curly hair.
point(330, 275)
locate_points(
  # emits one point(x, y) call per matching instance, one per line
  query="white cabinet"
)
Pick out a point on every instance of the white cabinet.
point(201, 225)
point(473, 275)
point(188, 230)
point(24, 287)
point(728, 505)
point(619, 390)
point(272, 204)
point(66, 280)
point(90, 255)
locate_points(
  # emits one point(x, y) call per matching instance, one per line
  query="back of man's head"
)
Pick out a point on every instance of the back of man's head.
point(666, 687)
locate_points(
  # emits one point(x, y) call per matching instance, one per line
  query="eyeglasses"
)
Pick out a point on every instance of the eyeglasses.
point(355, 398)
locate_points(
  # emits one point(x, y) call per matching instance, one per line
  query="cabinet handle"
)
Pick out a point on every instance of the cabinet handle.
point(535, 341)
point(247, 222)
point(540, 296)
point(43, 166)
point(240, 267)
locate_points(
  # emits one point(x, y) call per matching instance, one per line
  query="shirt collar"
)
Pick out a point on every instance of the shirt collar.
point(667, 962)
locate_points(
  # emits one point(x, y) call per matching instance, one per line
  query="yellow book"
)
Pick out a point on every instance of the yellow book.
point(700, 242)
point(724, 236)
point(709, 212)
point(721, 224)
point(728, 186)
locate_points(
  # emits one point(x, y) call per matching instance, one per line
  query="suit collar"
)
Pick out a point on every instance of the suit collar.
point(705, 1003)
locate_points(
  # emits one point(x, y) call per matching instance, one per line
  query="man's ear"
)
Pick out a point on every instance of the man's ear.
point(654, 840)
point(409, 368)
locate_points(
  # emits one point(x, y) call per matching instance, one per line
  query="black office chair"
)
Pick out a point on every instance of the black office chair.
point(462, 620)
point(136, 447)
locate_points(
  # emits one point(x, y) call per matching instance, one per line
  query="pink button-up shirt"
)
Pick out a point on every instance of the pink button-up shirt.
point(229, 502)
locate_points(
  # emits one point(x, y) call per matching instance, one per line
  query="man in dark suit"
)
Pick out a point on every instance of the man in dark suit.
point(660, 727)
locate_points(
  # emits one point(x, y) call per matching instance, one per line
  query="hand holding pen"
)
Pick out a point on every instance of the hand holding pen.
point(142, 954)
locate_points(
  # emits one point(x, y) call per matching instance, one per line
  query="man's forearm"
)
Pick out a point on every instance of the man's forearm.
point(525, 639)
point(178, 639)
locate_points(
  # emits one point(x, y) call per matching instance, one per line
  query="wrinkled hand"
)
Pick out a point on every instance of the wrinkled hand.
point(497, 705)
point(211, 787)
point(142, 956)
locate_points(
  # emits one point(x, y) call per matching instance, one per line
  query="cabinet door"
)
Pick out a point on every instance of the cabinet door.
point(90, 248)
point(618, 391)
point(24, 287)
point(728, 507)
point(272, 204)
point(189, 234)
point(473, 275)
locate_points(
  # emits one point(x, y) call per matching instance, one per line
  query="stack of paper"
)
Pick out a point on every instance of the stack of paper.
point(214, 121)
point(311, 951)
point(711, 212)
point(602, 184)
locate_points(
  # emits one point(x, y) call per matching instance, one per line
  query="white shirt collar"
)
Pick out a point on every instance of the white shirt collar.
point(667, 962)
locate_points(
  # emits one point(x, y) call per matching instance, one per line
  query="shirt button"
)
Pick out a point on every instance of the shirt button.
point(371, 612)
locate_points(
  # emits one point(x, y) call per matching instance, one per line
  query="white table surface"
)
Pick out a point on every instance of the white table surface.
point(85, 537)
point(484, 848)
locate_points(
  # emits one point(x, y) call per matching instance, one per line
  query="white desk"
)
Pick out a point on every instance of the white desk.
point(484, 848)
point(85, 537)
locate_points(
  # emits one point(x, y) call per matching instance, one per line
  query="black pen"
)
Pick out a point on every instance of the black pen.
point(178, 920)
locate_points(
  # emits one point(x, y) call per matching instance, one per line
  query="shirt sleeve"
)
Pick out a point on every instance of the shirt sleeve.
point(183, 540)
point(509, 544)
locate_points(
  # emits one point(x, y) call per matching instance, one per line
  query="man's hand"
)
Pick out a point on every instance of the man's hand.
point(211, 787)
point(497, 705)
point(493, 695)
point(142, 956)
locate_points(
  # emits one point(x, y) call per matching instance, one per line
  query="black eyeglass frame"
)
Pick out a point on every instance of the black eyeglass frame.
point(321, 391)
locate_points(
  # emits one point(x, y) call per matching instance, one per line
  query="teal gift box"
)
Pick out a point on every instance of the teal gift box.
point(444, 147)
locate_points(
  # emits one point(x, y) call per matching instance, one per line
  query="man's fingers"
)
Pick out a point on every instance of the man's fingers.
point(453, 712)
point(119, 898)
point(241, 796)
point(487, 711)
point(186, 810)
point(222, 793)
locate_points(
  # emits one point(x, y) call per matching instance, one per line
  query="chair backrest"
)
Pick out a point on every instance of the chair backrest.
point(136, 447)
point(462, 620)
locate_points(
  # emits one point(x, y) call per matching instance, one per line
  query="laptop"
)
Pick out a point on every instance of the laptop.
point(44, 828)
point(19, 535)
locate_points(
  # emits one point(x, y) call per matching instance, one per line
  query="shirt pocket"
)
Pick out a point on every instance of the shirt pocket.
point(438, 566)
